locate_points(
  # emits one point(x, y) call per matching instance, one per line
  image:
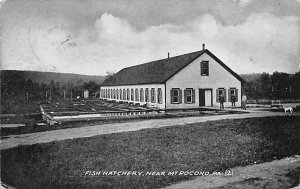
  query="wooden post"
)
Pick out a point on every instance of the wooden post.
point(50, 93)
point(64, 94)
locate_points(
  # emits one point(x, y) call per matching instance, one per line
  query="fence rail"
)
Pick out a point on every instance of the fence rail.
point(269, 101)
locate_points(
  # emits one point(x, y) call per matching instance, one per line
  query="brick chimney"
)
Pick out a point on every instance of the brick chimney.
point(203, 46)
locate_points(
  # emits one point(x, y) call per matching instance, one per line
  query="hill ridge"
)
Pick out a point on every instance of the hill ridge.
point(47, 77)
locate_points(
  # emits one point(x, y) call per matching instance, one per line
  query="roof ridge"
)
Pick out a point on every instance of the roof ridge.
point(163, 59)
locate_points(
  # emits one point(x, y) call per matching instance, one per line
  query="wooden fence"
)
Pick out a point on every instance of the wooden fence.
point(268, 101)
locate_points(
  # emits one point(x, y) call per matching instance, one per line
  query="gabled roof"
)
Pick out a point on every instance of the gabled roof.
point(158, 71)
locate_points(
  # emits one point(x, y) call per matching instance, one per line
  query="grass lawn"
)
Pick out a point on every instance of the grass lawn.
point(208, 146)
point(16, 106)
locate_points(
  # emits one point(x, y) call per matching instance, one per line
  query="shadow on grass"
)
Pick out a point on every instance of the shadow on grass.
point(209, 146)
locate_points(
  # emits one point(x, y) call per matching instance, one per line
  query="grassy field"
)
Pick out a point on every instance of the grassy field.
point(17, 106)
point(209, 146)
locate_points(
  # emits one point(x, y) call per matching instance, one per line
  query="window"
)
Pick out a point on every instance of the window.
point(142, 95)
point(121, 95)
point(117, 93)
point(232, 92)
point(108, 93)
point(146, 95)
point(136, 95)
point(132, 95)
point(152, 95)
point(114, 93)
point(124, 94)
point(176, 96)
point(159, 95)
point(189, 96)
point(221, 92)
point(128, 94)
point(204, 68)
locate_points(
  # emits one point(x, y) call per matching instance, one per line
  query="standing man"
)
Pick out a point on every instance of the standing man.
point(244, 101)
point(233, 99)
point(221, 100)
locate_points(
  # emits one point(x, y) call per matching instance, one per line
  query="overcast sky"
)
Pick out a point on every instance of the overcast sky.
point(93, 37)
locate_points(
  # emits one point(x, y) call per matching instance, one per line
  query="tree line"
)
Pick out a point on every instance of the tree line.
point(278, 85)
point(14, 86)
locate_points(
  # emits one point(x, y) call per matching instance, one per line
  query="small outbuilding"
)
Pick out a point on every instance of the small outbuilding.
point(86, 94)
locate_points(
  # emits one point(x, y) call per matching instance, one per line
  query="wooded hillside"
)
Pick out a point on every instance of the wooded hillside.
point(278, 85)
point(47, 77)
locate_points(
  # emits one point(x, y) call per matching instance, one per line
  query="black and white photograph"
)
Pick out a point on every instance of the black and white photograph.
point(142, 94)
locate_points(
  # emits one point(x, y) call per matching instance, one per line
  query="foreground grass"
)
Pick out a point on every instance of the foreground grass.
point(17, 106)
point(209, 146)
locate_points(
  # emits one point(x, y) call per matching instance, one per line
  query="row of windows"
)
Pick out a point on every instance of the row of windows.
point(232, 92)
point(176, 96)
point(189, 95)
point(139, 95)
point(154, 96)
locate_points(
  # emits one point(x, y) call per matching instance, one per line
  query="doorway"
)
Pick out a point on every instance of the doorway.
point(205, 97)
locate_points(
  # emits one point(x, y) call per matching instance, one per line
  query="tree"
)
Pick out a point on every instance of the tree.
point(70, 89)
point(280, 85)
point(109, 75)
point(264, 86)
point(92, 86)
point(295, 86)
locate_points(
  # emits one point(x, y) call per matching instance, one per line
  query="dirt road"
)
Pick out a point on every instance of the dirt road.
point(276, 174)
point(79, 132)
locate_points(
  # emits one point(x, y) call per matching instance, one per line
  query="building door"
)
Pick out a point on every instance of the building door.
point(208, 98)
point(205, 97)
point(201, 97)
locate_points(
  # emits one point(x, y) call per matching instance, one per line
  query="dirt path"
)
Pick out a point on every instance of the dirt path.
point(282, 173)
point(79, 132)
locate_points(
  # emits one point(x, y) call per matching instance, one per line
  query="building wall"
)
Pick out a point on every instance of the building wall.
point(149, 86)
point(190, 77)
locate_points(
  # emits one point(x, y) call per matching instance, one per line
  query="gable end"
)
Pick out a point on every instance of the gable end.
point(217, 60)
